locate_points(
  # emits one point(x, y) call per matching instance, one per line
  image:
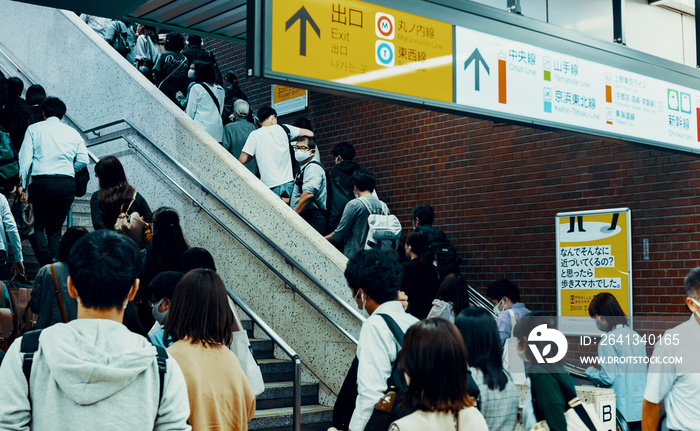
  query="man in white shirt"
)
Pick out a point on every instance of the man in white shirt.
point(51, 154)
point(270, 147)
point(676, 383)
point(375, 278)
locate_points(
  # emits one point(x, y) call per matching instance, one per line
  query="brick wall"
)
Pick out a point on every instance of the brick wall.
point(496, 188)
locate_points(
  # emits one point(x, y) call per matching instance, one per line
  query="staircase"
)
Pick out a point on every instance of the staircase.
point(274, 406)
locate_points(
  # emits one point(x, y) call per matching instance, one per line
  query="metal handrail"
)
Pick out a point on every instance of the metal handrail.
point(296, 409)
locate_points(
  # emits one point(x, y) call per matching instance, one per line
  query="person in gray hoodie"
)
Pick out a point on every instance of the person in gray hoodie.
point(92, 373)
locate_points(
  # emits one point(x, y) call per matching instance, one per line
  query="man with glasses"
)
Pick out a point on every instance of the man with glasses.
point(309, 193)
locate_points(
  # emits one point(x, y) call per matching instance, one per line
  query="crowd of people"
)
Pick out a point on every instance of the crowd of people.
point(426, 358)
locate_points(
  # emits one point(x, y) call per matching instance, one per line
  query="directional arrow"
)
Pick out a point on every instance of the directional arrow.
point(303, 17)
point(476, 55)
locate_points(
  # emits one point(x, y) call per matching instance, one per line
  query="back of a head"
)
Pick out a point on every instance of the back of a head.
point(419, 243)
point(15, 85)
point(265, 112)
point(692, 283)
point(174, 42)
point(241, 108)
point(377, 273)
point(194, 41)
point(455, 289)
point(110, 173)
point(344, 150)
point(168, 241)
point(303, 123)
point(196, 257)
point(204, 72)
point(68, 240)
point(53, 107)
point(605, 304)
point(103, 267)
point(35, 95)
point(424, 213)
point(231, 78)
point(503, 287)
point(525, 326)
point(483, 342)
point(200, 310)
point(163, 285)
point(363, 180)
point(435, 359)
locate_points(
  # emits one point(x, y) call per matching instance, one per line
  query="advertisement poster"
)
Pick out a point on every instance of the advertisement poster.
point(593, 256)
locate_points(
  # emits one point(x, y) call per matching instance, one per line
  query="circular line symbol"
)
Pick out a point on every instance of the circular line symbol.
point(384, 53)
point(385, 22)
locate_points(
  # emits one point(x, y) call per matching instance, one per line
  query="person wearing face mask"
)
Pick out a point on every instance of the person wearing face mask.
point(677, 384)
point(309, 193)
point(628, 379)
point(508, 309)
point(206, 100)
point(162, 288)
point(374, 278)
point(339, 182)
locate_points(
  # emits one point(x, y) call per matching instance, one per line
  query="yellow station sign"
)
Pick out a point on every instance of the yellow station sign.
point(362, 44)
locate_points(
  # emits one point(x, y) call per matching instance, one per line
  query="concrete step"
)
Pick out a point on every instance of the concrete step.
point(281, 394)
point(313, 418)
point(276, 370)
point(262, 348)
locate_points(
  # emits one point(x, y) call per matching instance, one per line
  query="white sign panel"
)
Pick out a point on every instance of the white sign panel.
point(506, 76)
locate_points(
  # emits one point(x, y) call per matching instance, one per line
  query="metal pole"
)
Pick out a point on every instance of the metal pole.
point(618, 12)
point(514, 7)
point(296, 412)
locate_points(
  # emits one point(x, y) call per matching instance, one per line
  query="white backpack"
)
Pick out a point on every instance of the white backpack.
point(384, 228)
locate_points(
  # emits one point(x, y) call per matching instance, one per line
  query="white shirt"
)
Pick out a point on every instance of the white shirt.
point(376, 352)
point(678, 385)
point(11, 235)
point(51, 148)
point(202, 109)
point(146, 49)
point(270, 147)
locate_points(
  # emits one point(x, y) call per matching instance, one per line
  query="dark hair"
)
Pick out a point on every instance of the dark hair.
point(265, 112)
point(194, 40)
point(4, 94)
point(454, 289)
point(303, 122)
point(231, 77)
point(174, 42)
point(419, 244)
point(168, 241)
point(237, 92)
point(53, 107)
point(15, 86)
point(344, 150)
point(200, 310)
point(483, 342)
point(196, 257)
point(379, 275)
point(435, 359)
point(72, 235)
point(150, 32)
point(692, 283)
point(163, 285)
point(311, 142)
point(363, 180)
point(605, 305)
point(204, 72)
point(504, 287)
point(35, 95)
point(424, 213)
point(103, 267)
point(115, 191)
point(526, 324)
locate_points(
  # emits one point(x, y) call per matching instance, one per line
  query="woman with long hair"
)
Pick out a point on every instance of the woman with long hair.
point(205, 101)
point(420, 279)
point(434, 359)
point(452, 297)
point(498, 393)
point(200, 324)
point(114, 196)
point(146, 50)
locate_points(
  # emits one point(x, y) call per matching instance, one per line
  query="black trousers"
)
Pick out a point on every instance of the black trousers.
point(316, 219)
point(51, 196)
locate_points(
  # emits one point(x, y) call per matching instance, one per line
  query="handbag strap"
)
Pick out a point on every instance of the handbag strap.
point(512, 321)
point(133, 198)
point(216, 102)
point(574, 401)
point(59, 298)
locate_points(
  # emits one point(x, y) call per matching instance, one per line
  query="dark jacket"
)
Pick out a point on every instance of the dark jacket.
point(420, 283)
point(547, 397)
point(100, 220)
point(343, 171)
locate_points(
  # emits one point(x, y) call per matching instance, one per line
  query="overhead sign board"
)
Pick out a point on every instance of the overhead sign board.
point(437, 56)
point(358, 43)
point(593, 256)
point(286, 100)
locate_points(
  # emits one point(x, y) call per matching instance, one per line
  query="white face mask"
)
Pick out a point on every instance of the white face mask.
point(697, 313)
point(302, 155)
point(364, 313)
point(601, 325)
point(160, 317)
point(522, 355)
point(337, 160)
point(497, 308)
point(190, 74)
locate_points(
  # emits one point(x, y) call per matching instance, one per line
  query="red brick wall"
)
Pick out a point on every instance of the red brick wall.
point(496, 188)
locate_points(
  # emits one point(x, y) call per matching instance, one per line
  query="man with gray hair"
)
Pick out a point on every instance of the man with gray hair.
point(674, 370)
point(236, 133)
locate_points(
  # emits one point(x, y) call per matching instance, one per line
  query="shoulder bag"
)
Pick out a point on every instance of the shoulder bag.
point(59, 298)
point(6, 324)
point(211, 93)
point(131, 224)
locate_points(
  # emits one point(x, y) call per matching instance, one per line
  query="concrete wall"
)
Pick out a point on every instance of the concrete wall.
point(99, 86)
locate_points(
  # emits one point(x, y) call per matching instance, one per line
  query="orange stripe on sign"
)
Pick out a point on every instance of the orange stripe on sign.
point(608, 93)
point(697, 113)
point(501, 81)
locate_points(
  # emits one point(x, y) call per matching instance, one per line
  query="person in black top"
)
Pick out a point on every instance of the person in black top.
point(420, 280)
point(34, 97)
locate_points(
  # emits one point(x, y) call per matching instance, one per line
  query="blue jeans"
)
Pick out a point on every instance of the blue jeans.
point(284, 190)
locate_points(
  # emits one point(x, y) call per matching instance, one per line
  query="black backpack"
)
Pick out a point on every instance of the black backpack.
point(337, 197)
point(443, 254)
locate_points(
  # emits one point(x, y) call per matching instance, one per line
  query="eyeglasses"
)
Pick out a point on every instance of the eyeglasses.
point(302, 148)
